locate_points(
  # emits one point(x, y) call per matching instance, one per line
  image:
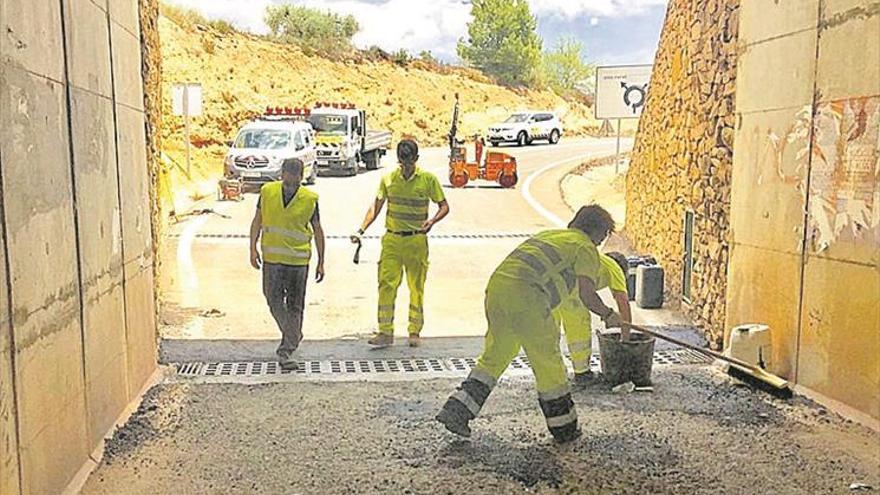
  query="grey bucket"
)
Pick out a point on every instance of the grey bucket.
point(626, 361)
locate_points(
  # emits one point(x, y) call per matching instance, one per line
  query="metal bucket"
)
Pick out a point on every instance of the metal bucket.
point(626, 361)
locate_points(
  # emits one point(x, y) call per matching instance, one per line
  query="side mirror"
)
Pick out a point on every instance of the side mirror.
point(300, 147)
point(229, 143)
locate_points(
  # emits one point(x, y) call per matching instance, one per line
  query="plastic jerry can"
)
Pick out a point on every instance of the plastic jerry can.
point(649, 286)
point(751, 343)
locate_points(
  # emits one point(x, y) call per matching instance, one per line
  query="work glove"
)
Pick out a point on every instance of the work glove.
point(612, 320)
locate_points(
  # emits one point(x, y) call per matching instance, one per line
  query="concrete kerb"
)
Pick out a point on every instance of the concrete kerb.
point(160, 375)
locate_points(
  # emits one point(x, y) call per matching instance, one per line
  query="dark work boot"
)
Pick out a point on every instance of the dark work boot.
point(454, 417)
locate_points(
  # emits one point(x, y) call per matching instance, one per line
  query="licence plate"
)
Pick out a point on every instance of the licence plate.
point(251, 175)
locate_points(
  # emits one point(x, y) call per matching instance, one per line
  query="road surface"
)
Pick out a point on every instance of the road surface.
point(211, 293)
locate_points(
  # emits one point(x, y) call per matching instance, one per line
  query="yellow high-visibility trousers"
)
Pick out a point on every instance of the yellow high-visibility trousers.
point(402, 254)
point(519, 316)
point(574, 318)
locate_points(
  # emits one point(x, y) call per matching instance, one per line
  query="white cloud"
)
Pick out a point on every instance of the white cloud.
point(434, 25)
point(600, 8)
point(414, 25)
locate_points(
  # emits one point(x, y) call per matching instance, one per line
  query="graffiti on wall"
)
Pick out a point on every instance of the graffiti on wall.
point(844, 172)
point(839, 143)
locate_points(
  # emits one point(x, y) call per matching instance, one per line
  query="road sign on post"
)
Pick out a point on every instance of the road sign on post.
point(186, 101)
point(621, 91)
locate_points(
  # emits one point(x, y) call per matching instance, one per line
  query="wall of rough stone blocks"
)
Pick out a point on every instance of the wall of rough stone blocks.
point(683, 154)
point(805, 196)
point(77, 326)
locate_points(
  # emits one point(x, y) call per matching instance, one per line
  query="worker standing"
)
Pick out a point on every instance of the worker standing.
point(520, 297)
point(409, 190)
point(576, 321)
point(286, 221)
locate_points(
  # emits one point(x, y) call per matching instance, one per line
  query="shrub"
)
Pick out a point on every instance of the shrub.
point(314, 31)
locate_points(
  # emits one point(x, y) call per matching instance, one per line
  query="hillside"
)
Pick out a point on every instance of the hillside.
point(241, 74)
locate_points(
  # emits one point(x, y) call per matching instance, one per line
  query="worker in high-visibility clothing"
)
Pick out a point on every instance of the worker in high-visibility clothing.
point(409, 190)
point(285, 223)
point(576, 321)
point(522, 293)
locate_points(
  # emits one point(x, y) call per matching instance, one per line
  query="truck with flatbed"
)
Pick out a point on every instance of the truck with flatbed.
point(343, 142)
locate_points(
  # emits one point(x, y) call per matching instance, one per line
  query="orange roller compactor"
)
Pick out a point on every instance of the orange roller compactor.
point(497, 167)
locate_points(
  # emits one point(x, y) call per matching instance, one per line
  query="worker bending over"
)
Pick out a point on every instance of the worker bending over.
point(575, 319)
point(522, 293)
point(409, 190)
point(286, 221)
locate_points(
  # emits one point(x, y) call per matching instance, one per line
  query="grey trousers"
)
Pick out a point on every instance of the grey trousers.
point(285, 289)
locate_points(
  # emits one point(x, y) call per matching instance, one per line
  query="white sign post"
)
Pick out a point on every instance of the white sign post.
point(620, 94)
point(186, 100)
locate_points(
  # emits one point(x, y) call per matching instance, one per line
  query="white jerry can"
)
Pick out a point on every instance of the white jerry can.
point(751, 343)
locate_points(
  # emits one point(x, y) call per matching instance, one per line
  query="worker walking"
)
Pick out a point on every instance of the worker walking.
point(286, 221)
point(575, 318)
point(409, 190)
point(522, 293)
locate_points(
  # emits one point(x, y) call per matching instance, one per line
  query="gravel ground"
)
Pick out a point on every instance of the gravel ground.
point(699, 432)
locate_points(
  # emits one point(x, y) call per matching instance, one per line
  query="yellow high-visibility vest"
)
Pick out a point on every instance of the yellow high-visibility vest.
point(408, 200)
point(552, 260)
point(287, 231)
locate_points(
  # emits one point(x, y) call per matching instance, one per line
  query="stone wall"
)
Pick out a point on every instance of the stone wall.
point(77, 325)
point(683, 153)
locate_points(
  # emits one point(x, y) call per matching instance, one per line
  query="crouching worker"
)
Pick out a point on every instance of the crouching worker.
point(575, 319)
point(285, 222)
point(522, 293)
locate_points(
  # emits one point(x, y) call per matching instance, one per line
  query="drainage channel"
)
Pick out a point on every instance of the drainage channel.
point(401, 368)
point(499, 235)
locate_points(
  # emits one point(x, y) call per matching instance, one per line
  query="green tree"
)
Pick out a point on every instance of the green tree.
point(503, 41)
point(563, 67)
point(313, 30)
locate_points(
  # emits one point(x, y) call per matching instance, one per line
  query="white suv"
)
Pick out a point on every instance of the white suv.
point(256, 154)
point(525, 127)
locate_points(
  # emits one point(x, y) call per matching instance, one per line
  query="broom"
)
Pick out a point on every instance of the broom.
point(747, 373)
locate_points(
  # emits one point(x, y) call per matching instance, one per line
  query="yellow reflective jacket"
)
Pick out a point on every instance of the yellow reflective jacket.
point(287, 231)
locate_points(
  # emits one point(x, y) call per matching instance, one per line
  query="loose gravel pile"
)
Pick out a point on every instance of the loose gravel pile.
point(698, 432)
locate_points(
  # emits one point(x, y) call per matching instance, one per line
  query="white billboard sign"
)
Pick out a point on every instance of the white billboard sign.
point(621, 91)
point(189, 92)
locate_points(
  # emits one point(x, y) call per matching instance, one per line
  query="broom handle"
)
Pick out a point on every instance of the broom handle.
point(692, 347)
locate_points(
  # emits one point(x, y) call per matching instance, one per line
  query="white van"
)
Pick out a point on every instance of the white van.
point(259, 148)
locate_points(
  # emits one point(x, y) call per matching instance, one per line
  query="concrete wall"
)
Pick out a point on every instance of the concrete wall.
point(77, 331)
point(805, 197)
point(683, 154)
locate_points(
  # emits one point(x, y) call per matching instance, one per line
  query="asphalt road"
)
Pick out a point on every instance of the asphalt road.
point(211, 293)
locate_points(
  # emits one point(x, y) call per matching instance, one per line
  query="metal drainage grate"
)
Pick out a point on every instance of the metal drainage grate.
point(391, 366)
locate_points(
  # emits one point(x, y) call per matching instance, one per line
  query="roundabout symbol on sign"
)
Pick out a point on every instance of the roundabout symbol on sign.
point(633, 96)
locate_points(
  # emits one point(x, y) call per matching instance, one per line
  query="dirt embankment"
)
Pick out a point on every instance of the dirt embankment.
point(242, 74)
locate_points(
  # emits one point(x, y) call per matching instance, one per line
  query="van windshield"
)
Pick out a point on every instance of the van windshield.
point(330, 124)
point(517, 118)
point(263, 139)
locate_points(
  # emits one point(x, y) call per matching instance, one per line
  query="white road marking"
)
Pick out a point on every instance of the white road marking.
point(189, 276)
point(538, 207)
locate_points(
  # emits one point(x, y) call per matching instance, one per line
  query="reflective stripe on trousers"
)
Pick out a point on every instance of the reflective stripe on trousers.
point(402, 255)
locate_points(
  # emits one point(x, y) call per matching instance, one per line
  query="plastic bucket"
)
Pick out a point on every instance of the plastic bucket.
point(626, 361)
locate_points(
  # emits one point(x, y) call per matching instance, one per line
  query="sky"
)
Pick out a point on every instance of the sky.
point(612, 31)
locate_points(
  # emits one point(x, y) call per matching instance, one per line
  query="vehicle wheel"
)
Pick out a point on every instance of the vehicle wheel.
point(458, 180)
point(554, 136)
point(372, 160)
point(522, 139)
point(507, 180)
